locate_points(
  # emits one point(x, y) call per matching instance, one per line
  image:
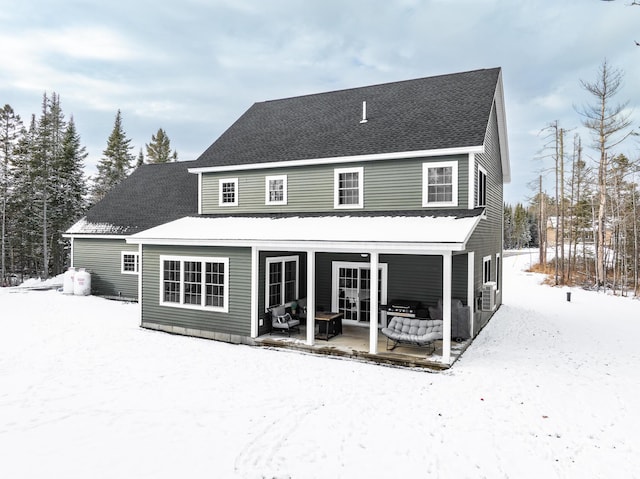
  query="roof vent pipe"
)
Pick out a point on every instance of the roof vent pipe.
point(364, 112)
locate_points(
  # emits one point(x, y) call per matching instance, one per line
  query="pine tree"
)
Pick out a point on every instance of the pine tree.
point(70, 192)
point(140, 161)
point(159, 150)
point(115, 164)
point(10, 128)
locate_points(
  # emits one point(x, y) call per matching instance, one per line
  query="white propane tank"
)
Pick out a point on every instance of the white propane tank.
point(82, 283)
point(67, 284)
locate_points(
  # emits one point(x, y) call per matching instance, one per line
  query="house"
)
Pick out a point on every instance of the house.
point(151, 195)
point(319, 197)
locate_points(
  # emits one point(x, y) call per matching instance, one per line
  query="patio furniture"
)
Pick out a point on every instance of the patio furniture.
point(329, 324)
point(460, 318)
point(417, 332)
point(282, 322)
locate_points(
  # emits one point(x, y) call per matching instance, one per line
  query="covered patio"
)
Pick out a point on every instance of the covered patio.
point(354, 343)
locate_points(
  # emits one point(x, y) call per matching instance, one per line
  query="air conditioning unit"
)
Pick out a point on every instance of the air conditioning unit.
point(489, 296)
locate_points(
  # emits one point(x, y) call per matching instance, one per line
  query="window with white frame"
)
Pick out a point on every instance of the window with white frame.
point(440, 183)
point(486, 269)
point(130, 263)
point(481, 186)
point(228, 192)
point(348, 187)
point(498, 270)
point(281, 283)
point(275, 190)
point(195, 282)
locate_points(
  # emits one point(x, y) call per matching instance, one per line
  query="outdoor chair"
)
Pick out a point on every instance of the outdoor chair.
point(282, 322)
point(417, 332)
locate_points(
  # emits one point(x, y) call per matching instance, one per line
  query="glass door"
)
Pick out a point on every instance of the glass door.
point(352, 290)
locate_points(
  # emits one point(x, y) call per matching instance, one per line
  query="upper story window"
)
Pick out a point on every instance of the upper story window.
point(348, 187)
point(481, 186)
point(275, 190)
point(130, 263)
point(228, 192)
point(440, 183)
point(194, 282)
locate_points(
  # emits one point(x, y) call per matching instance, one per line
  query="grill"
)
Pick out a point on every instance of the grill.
point(404, 308)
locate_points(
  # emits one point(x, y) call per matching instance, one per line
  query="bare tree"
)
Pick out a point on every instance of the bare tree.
point(609, 125)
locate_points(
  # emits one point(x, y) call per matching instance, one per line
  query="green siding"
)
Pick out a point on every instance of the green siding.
point(236, 321)
point(102, 258)
point(388, 185)
point(486, 240)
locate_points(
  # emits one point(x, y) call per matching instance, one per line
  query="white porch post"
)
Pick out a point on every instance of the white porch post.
point(373, 304)
point(139, 282)
point(471, 294)
point(311, 297)
point(446, 307)
point(255, 258)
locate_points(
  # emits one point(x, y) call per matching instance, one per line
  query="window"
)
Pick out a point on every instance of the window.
point(130, 263)
point(275, 190)
point(228, 192)
point(282, 280)
point(498, 271)
point(486, 269)
point(481, 187)
point(440, 184)
point(196, 283)
point(348, 187)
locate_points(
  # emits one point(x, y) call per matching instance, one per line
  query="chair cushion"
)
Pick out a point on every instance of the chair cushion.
point(283, 318)
point(420, 331)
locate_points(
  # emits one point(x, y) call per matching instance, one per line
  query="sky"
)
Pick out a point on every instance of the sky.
point(192, 67)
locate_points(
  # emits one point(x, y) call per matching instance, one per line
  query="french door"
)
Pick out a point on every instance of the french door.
point(352, 290)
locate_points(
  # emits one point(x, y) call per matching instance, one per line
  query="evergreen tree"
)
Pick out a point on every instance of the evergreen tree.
point(10, 128)
point(140, 161)
point(159, 150)
point(70, 192)
point(115, 164)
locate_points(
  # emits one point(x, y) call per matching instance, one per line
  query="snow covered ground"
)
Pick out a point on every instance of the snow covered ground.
point(549, 389)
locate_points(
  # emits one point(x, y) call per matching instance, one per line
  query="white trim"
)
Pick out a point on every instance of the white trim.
point(140, 283)
point(221, 182)
point(336, 187)
point(95, 236)
point(136, 256)
point(199, 193)
point(498, 104)
point(335, 286)
point(486, 259)
point(342, 159)
point(471, 293)
point(311, 297)
point(454, 183)
point(374, 307)
point(472, 168)
point(255, 265)
point(72, 251)
point(447, 268)
point(282, 260)
point(203, 260)
point(498, 271)
point(483, 171)
point(267, 189)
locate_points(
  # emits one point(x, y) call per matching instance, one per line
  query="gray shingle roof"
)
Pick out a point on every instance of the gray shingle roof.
point(151, 195)
point(447, 111)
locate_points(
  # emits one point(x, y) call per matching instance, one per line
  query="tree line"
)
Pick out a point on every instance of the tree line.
point(590, 223)
point(44, 189)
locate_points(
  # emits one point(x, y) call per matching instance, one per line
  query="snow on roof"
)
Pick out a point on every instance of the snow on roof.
point(83, 226)
point(300, 229)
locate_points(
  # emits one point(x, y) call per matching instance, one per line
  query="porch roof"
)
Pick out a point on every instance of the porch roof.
point(422, 230)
